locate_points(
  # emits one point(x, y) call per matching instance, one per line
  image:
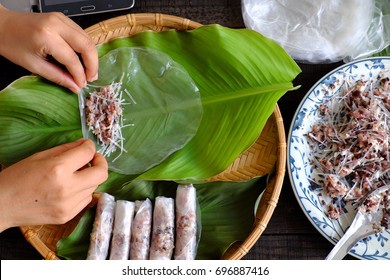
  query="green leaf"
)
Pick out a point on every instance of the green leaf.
point(240, 74)
point(227, 215)
point(35, 115)
point(75, 246)
point(227, 211)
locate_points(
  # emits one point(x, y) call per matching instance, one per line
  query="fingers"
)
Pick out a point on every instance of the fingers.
point(77, 157)
point(84, 46)
point(74, 49)
point(81, 43)
point(53, 152)
point(96, 173)
point(54, 73)
point(64, 54)
point(85, 200)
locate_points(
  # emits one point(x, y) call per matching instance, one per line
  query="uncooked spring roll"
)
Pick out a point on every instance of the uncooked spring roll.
point(141, 229)
point(162, 242)
point(102, 228)
point(186, 241)
point(120, 242)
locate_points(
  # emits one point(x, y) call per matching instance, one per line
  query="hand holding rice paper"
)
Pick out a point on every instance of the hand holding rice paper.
point(139, 89)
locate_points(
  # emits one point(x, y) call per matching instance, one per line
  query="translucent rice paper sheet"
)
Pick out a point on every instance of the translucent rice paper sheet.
point(322, 30)
point(161, 107)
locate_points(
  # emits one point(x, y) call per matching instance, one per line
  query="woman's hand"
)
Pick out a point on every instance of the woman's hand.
point(50, 45)
point(50, 187)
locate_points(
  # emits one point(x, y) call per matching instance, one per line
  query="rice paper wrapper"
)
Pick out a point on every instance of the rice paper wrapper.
point(160, 104)
point(188, 227)
point(102, 228)
point(163, 231)
point(120, 242)
point(141, 230)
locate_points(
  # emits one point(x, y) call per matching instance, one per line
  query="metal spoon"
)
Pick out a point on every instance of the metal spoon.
point(366, 222)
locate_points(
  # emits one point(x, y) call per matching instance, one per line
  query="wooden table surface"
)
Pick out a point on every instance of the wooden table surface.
point(289, 234)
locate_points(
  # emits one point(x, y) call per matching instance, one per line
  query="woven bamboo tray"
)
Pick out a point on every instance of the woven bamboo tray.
point(266, 156)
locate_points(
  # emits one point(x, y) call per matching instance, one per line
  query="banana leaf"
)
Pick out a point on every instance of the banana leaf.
point(240, 75)
point(35, 115)
point(226, 213)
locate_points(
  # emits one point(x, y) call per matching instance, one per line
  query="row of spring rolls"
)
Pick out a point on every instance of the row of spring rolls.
point(134, 230)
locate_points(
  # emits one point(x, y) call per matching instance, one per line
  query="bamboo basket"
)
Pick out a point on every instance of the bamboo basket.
point(266, 156)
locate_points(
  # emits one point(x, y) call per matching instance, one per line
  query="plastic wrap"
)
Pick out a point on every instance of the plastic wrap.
point(102, 228)
point(141, 230)
point(120, 242)
point(322, 31)
point(187, 229)
point(163, 231)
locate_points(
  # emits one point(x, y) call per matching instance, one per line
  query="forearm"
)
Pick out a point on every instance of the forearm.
point(4, 15)
point(6, 219)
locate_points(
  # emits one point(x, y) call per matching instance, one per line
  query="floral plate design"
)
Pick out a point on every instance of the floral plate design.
point(304, 177)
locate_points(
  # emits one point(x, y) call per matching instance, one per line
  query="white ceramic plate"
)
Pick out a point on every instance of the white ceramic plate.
point(302, 173)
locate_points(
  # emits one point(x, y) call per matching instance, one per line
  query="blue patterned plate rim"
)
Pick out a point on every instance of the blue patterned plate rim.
point(374, 247)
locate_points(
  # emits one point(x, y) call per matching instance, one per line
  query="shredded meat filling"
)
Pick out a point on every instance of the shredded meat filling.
point(350, 142)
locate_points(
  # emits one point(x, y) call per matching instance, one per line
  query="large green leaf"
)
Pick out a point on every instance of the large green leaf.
point(240, 75)
point(226, 215)
point(35, 115)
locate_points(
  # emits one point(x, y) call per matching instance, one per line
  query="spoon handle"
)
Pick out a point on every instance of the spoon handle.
point(355, 232)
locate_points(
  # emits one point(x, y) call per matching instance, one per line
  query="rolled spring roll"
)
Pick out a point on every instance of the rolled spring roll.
point(186, 241)
point(120, 242)
point(141, 229)
point(102, 228)
point(162, 243)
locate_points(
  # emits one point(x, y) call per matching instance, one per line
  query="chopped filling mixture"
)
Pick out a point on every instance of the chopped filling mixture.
point(104, 117)
point(378, 202)
point(350, 142)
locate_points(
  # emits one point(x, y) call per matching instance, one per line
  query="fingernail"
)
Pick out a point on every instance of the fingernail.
point(80, 141)
point(94, 78)
point(75, 89)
